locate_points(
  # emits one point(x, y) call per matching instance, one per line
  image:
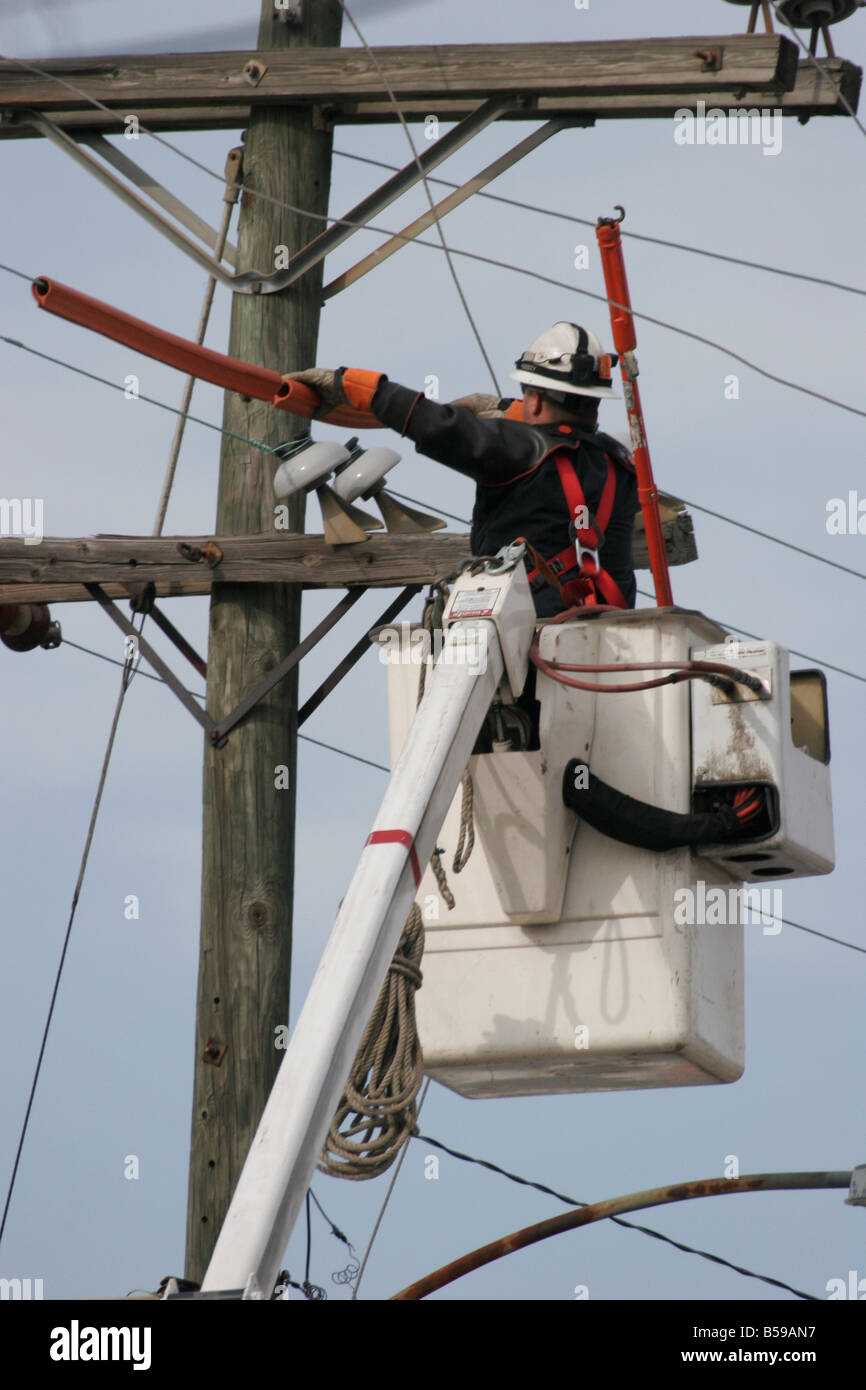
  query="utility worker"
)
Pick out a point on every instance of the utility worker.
point(543, 469)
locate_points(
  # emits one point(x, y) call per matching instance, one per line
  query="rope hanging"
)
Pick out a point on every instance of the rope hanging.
point(376, 1115)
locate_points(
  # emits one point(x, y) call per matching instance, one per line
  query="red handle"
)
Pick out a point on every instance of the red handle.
point(625, 341)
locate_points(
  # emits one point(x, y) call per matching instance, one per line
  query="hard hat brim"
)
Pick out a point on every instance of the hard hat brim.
point(546, 383)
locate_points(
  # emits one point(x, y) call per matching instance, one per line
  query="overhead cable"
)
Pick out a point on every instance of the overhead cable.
point(635, 236)
point(476, 256)
point(616, 1220)
point(445, 248)
point(381, 767)
point(129, 666)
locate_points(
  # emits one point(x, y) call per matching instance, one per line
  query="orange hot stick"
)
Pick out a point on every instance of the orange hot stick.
point(261, 383)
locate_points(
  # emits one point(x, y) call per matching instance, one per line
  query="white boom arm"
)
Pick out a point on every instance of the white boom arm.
point(283, 1156)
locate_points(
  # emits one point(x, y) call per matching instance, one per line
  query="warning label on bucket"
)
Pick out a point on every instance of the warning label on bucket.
point(474, 603)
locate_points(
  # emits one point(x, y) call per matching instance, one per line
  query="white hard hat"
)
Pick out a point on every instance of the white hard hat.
point(567, 358)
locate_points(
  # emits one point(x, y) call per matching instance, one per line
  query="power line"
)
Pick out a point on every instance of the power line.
point(387, 1198)
point(342, 1276)
point(635, 236)
point(776, 540)
point(438, 221)
point(149, 675)
point(720, 516)
point(356, 757)
point(812, 932)
point(658, 323)
point(19, 273)
point(472, 255)
point(819, 661)
point(104, 381)
point(126, 677)
point(616, 1220)
point(258, 444)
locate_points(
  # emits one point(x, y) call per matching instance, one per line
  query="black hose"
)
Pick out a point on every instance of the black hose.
point(634, 822)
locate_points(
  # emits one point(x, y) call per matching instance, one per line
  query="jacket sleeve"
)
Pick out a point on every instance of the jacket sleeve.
point(490, 452)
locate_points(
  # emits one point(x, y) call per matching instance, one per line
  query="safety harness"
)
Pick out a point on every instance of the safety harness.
point(592, 584)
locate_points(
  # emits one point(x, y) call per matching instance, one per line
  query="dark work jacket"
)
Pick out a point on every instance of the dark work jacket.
point(518, 487)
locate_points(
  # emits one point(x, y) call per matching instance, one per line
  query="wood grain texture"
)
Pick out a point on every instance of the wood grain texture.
point(38, 573)
point(811, 95)
point(429, 71)
point(248, 852)
point(56, 570)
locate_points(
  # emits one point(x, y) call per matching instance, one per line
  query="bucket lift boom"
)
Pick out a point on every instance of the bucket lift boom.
point(489, 626)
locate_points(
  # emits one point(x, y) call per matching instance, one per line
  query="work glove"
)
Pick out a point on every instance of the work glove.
point(484, 406)
point(351, 386)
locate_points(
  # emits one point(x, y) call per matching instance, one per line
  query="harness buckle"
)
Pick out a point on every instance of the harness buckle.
point(584, 550)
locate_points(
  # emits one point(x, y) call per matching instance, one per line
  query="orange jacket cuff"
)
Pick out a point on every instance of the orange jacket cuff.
point(359, 386)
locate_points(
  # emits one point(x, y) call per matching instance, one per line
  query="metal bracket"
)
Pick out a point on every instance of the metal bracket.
point(179, 641)
point(254, 71)
point(247, 282)
point(142, 599)
point(213, 1052)
point(210, 553)
point(153, 657)
point(399, 183)
point(446, 204)
point(711, 59)
point(349, 660)
point(158, 194)
point(218, 733)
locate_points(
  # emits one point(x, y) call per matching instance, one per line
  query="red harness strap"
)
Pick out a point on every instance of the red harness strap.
point(591, 580)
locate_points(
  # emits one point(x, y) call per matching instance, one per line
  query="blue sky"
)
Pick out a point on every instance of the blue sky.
point(118, 1068)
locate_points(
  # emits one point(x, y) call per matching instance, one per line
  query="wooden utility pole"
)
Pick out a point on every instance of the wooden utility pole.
point(249, 824)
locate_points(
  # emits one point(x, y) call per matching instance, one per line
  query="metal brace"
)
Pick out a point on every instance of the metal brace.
point(218, 733)
point(153, 657)
point(157, 193)
point(247, 282)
